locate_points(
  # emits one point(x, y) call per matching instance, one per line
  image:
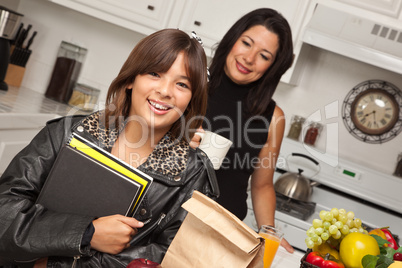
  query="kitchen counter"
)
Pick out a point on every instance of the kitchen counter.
point(20, 100)
point(284, 259)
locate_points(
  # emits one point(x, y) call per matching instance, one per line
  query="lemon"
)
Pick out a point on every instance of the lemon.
point(355, 246)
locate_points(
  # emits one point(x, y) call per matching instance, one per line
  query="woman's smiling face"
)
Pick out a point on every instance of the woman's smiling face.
point(159, 99)
point(252, 54)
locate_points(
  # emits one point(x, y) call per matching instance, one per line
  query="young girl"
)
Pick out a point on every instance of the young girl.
point(152, 108)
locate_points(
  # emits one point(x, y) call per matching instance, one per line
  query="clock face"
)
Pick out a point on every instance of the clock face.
point(372, 111)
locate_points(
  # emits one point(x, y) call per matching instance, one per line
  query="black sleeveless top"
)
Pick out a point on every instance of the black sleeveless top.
point(225, 116)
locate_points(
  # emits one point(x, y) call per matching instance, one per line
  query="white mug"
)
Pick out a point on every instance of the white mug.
point(215, 146)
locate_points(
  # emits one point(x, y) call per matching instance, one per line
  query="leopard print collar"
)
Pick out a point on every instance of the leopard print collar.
point(169, 157)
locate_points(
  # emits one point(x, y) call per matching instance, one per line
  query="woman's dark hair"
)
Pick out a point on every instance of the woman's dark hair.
point(260, 94)
point(156, 53)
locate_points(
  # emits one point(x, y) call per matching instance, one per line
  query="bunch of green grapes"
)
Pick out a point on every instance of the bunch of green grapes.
point(332, 227)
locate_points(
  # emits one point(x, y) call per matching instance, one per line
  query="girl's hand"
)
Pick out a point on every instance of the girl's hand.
point(195, 141)
point(114, 233)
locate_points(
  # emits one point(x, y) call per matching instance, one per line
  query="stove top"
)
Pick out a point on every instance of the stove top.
point(299, 209)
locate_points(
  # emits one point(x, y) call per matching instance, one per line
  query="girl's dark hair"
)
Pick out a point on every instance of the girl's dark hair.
point(260, 94)
point(156, 53)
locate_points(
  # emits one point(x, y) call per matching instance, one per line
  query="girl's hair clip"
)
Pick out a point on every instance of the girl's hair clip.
point(196, 37)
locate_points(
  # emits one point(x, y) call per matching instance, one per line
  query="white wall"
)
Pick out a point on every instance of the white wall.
point(326, 79)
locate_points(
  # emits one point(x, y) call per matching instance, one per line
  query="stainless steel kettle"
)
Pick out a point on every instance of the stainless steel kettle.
point(295, 185)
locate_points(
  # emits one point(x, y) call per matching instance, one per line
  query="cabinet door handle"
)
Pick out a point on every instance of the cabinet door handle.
point(198, 23)
point(151, 7)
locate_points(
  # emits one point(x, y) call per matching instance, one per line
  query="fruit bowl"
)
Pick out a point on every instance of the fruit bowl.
point(339, 237)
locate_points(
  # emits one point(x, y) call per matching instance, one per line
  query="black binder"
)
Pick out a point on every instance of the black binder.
point(87, 180)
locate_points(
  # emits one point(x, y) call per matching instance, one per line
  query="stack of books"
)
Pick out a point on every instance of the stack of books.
point(87, 180)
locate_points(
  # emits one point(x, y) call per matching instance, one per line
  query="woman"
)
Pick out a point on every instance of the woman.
point(152, 106)
point(245, 71)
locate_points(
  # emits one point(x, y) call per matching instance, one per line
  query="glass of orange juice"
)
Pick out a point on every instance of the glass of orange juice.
point(272, 237)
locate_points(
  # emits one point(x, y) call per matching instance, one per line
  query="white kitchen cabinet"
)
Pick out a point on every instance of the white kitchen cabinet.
point(11, 142)
point(210, 19)
point(143, 16)
point(16, 131)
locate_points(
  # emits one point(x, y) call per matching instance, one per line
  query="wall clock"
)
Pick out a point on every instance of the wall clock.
point(372, 111)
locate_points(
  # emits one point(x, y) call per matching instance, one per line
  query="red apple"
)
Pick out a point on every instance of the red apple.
point(143, 263)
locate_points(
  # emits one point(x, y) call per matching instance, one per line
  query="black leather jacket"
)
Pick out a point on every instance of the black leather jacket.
point(28, 231)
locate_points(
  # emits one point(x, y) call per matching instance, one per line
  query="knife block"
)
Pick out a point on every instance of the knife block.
point(14, 75)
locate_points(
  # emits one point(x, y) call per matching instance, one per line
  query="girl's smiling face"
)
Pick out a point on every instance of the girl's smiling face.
point(159, 99)
point(252, 54)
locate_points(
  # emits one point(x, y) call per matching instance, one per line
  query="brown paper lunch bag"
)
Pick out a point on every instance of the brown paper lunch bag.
point(211, 236)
